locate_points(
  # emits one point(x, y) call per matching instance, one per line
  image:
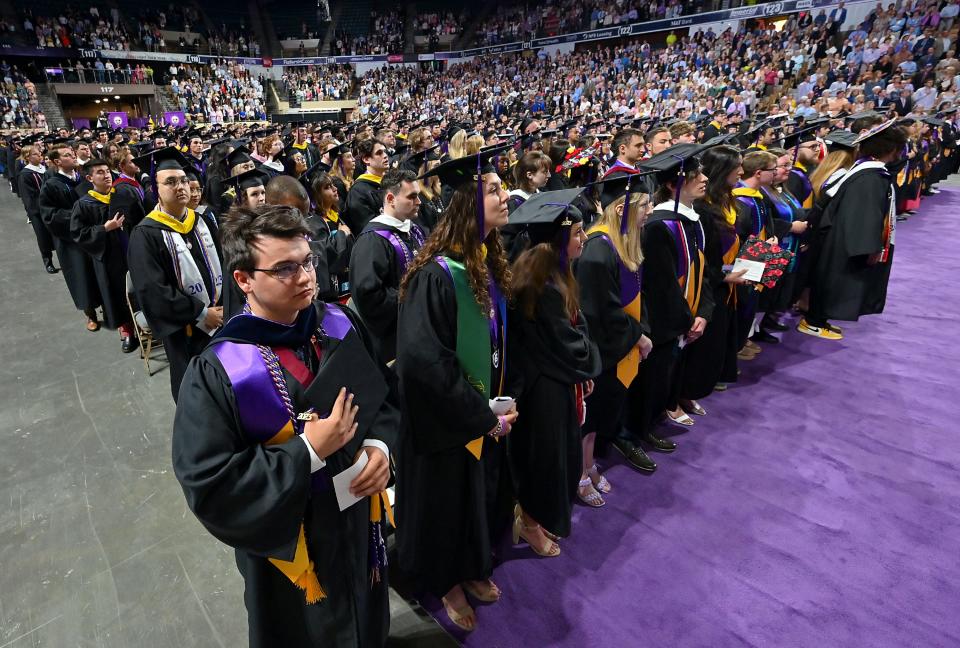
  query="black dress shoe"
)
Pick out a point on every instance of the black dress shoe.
point(774, 324)
point(764, 336)
point(129, 344)
point(661, 445)
point(51, 269)
point(635, 455)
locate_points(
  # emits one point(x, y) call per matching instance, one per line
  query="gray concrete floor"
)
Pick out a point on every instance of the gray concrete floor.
point(97, 547)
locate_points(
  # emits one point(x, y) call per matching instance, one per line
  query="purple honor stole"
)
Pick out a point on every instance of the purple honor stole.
point(404, 253)
point(631, 301)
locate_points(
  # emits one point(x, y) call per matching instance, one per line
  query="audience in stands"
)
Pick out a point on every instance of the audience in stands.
point(19, 107)
point(385, 36)
point(218, 93)
point(317, 83)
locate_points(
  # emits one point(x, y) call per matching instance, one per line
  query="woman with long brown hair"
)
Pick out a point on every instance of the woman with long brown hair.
point(711, 363)
point(451, 361)
point(557, 366)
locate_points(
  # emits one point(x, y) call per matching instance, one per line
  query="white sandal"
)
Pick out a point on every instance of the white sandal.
point(601, 484)
point(592, 497)
point(683, 420)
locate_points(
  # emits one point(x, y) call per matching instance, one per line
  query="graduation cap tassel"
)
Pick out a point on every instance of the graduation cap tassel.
point(625, 215)
point(480, 214)
point(676, 197)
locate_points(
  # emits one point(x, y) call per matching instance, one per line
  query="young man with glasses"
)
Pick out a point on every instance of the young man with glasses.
point(175, 267)
point(286, 397)
point(98, 230)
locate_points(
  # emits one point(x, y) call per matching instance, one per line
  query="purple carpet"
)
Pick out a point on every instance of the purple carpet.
point(818, 504)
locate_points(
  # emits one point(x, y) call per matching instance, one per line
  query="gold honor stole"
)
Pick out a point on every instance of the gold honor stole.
point(333, 216)
point(691, 290)
point(731, 245)
point(375, 179)
point(631, 301)
point(104, 198)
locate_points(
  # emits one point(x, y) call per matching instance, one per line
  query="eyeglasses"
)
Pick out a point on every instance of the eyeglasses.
point(285, 271)
point(773, 170)
point(176, 182)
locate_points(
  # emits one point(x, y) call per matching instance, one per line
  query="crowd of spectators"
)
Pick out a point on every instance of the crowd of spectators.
point(384, 36)
point(218, 93)
point(102, 29)
point(317, 83)
point(439, 27)
point(19, 107)
point(92, 29)
point(807, 65)
point(523, 22)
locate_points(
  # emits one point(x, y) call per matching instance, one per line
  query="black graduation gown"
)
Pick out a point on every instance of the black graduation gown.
point(56, 200)
point(713, 358)
point(126, 200)
point(846, 286)
point(254, 497)
point(108, 254)
point(332, 249)
point(29, 182)
point(364, 202)
point(613, 331)
point(375, 274)
point(341, 194)
point(431, 209)
point(167, 307)
point(443, 523)
point(544, 446)
point(657, 384)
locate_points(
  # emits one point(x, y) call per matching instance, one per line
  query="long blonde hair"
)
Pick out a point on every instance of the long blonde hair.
point(835, 160)
point(457, 148)
point(474, 144)
point(627, 245)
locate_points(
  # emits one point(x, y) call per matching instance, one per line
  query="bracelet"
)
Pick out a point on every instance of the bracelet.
point(499, 430)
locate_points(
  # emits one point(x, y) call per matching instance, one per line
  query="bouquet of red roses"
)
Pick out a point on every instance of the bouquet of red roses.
point(775, 258)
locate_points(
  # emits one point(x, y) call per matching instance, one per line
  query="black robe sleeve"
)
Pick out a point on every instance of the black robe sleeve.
point(363, 204)
point(56, 205)
point(558, 348)
point(249, 496)
point(166, 306)
point(86, 227)
point(372, 266)
point(29, 186)
point(598, 274)
point(863, 205)
point(445, 411)
point(126, 201)
point(669, 312)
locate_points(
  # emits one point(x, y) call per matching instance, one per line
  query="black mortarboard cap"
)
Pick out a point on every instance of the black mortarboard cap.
point(548, 208)
point(239, 155)
point(841, 139)
point(248, 179)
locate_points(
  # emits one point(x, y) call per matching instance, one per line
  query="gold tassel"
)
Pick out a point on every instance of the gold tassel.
point(310, 584)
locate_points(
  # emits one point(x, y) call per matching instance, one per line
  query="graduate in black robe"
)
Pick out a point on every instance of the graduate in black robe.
point(99, 232)
point(678, 307)
point(854, 265)
point(256, 470)
point(57, 197)
point(609, 273)
point(29, 181)
point(365, 197)
point(179, 312)
point(557, 360)
point(381, 255)
point(451, 359)
point(712, 361)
